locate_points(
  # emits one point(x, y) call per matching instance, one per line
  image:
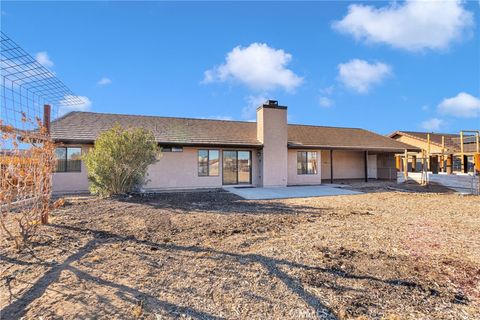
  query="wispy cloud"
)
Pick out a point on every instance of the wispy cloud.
point(257, 66)
point(327, 90)
point(361, 75)
point(104, 81)
point(250, 110)
point(325, 102)
point(44, 59)
point(432, 125)
point(66, 107)
point(411, 25)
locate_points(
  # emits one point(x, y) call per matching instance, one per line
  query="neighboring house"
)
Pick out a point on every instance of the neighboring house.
point(199, 153)
point(442, 152)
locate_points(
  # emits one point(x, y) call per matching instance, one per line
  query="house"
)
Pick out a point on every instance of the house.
point(442, 152)
point(200, 153)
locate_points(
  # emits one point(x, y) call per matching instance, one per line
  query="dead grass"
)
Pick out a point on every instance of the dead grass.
point(383, 255)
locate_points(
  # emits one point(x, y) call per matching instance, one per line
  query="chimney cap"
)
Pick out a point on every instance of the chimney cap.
point(271, 104)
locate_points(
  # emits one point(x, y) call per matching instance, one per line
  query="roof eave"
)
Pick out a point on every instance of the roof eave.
point(356, 148)
point(170, 143)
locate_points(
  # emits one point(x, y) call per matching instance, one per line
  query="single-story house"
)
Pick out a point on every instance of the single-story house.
point(441, 152)
point(202, 153)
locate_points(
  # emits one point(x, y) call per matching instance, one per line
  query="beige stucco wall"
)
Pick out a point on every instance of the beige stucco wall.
point(173, 170)
point(303, 179)
point(273, 133)
point(180, 170)
point(70, 182)
point(325, 164)
point(419, 144)
point(346, 164)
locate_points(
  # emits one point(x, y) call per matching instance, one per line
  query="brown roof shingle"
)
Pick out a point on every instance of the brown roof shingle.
point(341, 138)
point(84, 127)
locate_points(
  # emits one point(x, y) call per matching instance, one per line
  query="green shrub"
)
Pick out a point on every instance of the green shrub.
point(118, 162)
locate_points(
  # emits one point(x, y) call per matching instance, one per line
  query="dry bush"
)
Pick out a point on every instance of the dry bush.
point(26, 165)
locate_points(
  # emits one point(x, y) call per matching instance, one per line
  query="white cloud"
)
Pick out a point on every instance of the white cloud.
point(463, 105)
point(258, 66)
point(250, 110)
point(104, 81)
point(360, 75)
point(412, 25)
point(432, 125)
point(325, 102)
point(82, 103)
point(425, 107)
point(44, 59)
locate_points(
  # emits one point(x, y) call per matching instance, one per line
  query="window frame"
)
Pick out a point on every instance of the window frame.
point(67, 170)
point(208, 163)
point(300, 171)
point(171, 149)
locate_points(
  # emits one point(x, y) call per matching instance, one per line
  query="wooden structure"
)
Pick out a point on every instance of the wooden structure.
point(442, 153)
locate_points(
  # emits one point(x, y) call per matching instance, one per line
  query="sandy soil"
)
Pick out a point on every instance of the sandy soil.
point(211, 255)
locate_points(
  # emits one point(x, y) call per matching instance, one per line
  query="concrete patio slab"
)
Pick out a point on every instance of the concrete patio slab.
point(250, 193)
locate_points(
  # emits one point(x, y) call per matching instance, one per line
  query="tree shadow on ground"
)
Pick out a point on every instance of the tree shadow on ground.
point(219, 201)
point(273, 266)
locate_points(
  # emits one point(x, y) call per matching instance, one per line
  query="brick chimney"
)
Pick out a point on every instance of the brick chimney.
point(273, 133)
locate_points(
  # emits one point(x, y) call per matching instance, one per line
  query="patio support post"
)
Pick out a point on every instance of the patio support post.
point(331, 165)
point(366, 166)
point(449, 164)
point(462, 159)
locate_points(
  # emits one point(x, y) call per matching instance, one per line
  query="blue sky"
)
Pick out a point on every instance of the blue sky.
point(382, 66)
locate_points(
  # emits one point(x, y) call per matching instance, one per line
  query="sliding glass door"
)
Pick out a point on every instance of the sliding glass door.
point(230, 167)
point(237, 167)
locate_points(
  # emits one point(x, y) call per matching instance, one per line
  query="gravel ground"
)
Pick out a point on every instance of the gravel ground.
point(385, 254)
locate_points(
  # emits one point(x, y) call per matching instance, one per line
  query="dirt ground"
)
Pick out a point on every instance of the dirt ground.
point(385, 254)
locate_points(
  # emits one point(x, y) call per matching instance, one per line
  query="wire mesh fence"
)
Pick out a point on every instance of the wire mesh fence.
point(30, 96)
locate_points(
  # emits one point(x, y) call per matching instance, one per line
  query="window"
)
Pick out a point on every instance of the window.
point(172, 149)
point(68, 159)
point(306, 162)
point(457, 164)
point(208, 163)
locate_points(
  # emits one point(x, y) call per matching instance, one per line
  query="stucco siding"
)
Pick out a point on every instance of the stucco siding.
point(180, 170)
point(419, 144)
point(325, 164)
point(273, 133)
point(173, 170)
point(303, 179)
point(70, 182)
point(348, 164)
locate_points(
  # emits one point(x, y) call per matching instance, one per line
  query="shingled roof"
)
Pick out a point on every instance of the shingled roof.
point(84, 127)
point(302, 136)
